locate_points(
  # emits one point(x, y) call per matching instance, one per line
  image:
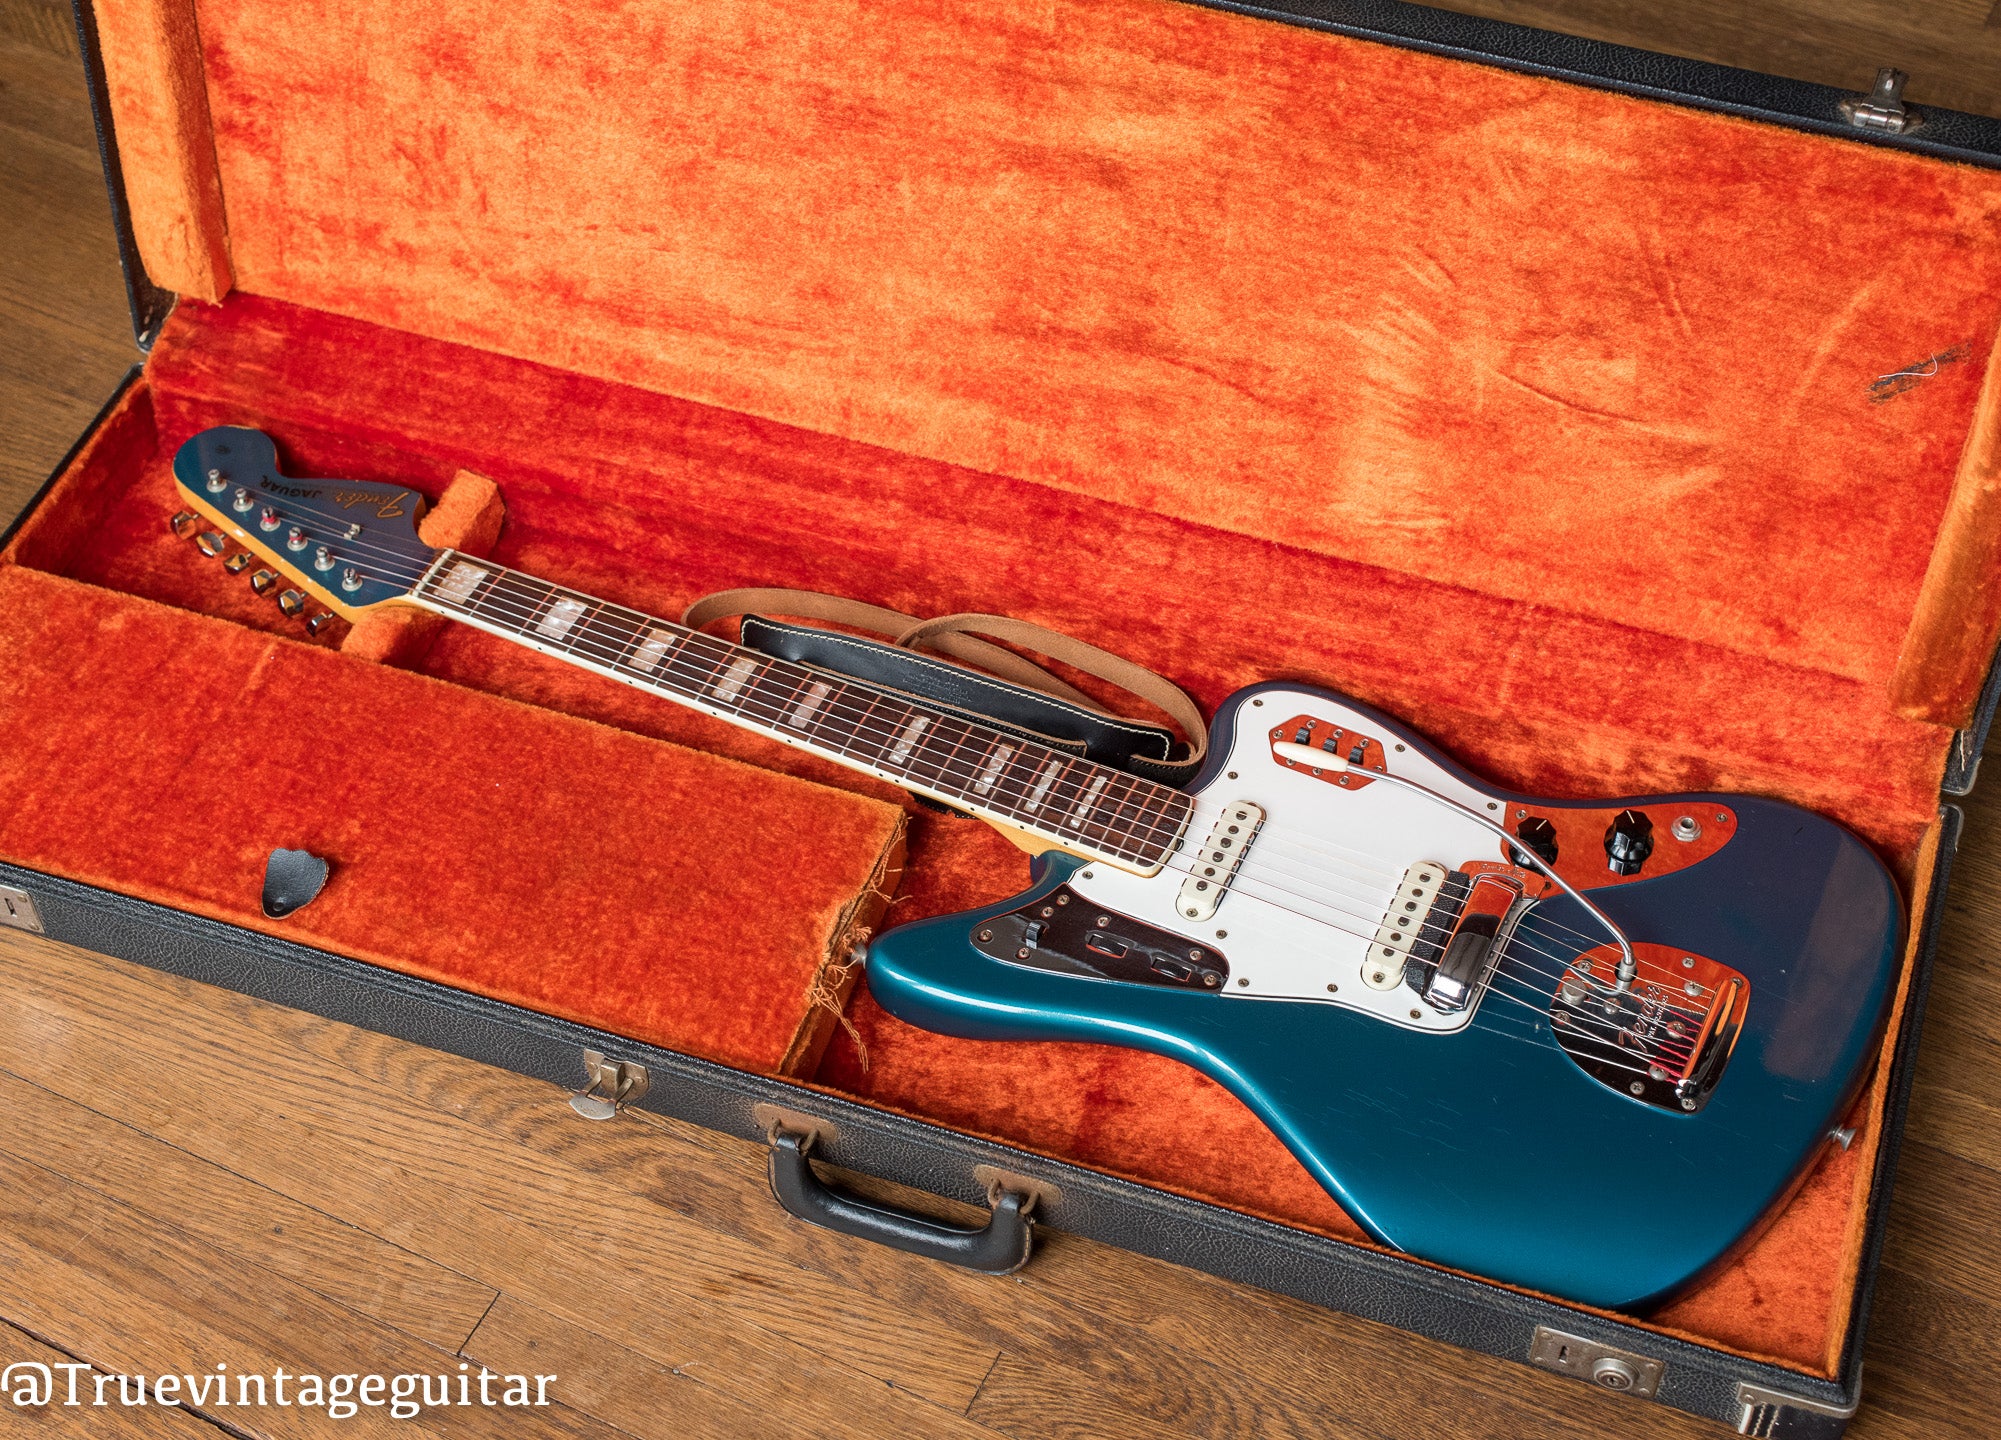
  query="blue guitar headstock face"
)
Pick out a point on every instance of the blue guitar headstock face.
point(349, 545)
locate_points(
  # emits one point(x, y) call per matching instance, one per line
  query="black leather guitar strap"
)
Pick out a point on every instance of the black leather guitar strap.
point(945, 663)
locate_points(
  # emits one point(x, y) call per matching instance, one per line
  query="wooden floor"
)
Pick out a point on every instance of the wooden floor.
point(188, 1177)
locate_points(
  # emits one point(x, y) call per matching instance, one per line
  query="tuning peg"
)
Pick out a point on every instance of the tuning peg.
point(210, 543)
point(292, 602)
point(319, 622)
point(239, 562)
point(183, 522)
point(263, 580)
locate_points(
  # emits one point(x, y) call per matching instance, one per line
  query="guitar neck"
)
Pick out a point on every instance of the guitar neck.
point(1070, 802)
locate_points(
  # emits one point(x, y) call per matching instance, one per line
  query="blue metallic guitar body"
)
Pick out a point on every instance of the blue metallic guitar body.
point(1472, 1138)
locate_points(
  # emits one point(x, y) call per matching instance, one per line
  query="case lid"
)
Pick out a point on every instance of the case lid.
point(1674, 370)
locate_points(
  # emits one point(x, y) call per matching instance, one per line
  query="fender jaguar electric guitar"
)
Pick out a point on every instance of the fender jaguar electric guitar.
point(1582, 1047)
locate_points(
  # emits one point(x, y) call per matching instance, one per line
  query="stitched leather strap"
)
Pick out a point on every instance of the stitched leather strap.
point(954, 636)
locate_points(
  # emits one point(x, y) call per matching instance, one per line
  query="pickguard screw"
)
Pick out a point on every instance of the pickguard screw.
point(986, 934)
point(1195, 954)
point(1062, 899)
point(1243, 982)
point(1090, 874)
point(1021, 954)
point(1637, 1088)
point(1222, 934)
point(1492, 806)
point(1333, 989)
point(1688, 1104)
point(1521, 814)
point(1103, 921)
point(1233, 774)
point(1047, 911)
point(1399, 749)
point(1417, 1014)
point(1688, 962)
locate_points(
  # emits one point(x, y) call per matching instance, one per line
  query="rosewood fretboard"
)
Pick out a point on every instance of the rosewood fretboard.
point(1070, 801)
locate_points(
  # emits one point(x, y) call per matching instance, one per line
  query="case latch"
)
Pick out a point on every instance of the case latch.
point(1883, 108)
point(17, 908)
point(1603, 1365)
point(614, 1084)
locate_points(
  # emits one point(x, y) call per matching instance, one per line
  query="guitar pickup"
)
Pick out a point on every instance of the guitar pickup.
point(1217, 862)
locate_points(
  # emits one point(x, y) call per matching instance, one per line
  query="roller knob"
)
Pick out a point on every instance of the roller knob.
point(1538, 835)
point(1629, 840)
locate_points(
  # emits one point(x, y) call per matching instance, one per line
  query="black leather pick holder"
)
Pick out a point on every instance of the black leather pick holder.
point(291, 879)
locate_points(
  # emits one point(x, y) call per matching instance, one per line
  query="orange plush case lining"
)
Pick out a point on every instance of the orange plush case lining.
point(1547, 419)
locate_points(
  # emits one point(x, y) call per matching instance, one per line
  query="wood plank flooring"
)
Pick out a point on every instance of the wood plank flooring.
point(189, 1177)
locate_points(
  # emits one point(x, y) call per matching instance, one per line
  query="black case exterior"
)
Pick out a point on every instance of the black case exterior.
point(1754, 1398)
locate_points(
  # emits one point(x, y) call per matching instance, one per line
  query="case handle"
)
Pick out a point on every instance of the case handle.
point(999, 1247)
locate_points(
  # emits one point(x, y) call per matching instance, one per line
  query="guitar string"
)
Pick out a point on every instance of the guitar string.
point(715, 649)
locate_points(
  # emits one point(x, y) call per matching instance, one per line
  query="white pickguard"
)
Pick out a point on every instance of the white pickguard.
point(1298, 920)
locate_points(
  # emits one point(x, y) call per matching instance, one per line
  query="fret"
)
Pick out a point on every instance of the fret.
point(693, 667)
point(873, 730)
point(811, 706)
point(992, 764)
point(1038, 794)
point(561, 617)
point(1092, 790)
point(842, 718)
point(457, 582)
point(733, 677)
point(1122, 806)
point(1017, 779)
point(906, 741)
point(938, 750)
point(768, 689)
point(652, 649)
point(605, 635)
point(1067, 793)
point(513, 600)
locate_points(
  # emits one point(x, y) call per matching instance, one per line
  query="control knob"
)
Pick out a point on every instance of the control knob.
point(1629, 840)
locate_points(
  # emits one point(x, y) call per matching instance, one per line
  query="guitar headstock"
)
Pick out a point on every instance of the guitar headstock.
point(349, 545)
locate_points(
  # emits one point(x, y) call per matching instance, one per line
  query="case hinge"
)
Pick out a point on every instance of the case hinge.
point(1883, 108)
point(17, 908)
point(614, 1084)
point(1602, 1365)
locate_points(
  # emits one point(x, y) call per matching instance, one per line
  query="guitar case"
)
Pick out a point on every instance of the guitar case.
point(1625, 424)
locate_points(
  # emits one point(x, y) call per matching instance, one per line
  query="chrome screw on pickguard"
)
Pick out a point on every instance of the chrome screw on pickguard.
point(1194, 954)
point(1688, 1104)
point(986, 935)
point(1686, 828)
point(1637, 1088)
point(1103, 921)
point(1242, 983)
point(1222, 934)
point(1688, 962)
point(1333, 989)
point(1047, 911)
point(1062, 899)
point(1417, 1014)
point(1021, 954)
